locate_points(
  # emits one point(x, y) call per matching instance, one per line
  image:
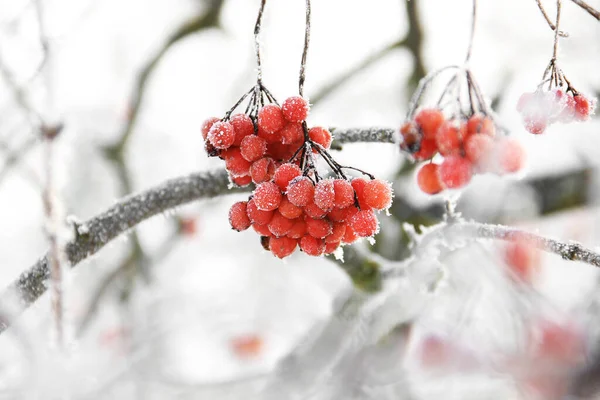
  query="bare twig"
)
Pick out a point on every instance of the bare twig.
point(304, 51)
point(472, 36)
point(257, 28)
point(558, 12)
point(547, 18)
point(13, 157)
point(590, 10)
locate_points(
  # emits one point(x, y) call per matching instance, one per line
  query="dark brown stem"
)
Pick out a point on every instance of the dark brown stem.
point(590, 10)
point(304, 51)
point(547, 18)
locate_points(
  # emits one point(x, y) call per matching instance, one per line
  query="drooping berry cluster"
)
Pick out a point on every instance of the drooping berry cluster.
point(541, 108)
point(292, 205)
point(468, 146)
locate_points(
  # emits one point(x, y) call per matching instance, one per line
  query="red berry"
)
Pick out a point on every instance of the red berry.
point(289, 210)
point(187, 226)
point(455, 172)
point(523, 260)
point(269, 137)
point(428, 179)
point(448, 139)
point(378, 194)
point(349, 236)
point(535, 124)
point(337, 233)
point(206, 125)
point(292, 133)
point(262, 230)
point(324, 194)
point(427, 149)
point(280, 225)
point(238, 217)
point(320, 136)
point(283, 246)
point(331, 247)
point(568, 112)
point(295, 109)
point(510, 155)
point(262, 170)
point(270, 118)
point(318, 228)
point(298, 230)
point(312, 246)
point(342, 214)
point(314, 211)
point(344, 193)
point(300, 191)
point(258, 217)
point(430, 120)
point(358, 184)
point(410, 136)
point(241, 181)
point(562, 343)
point(267, 196)
point(235, 163)
point(242, 126)
point(253, 148)
point(285, 173)
point(478, 148)
point(583, 107)
point(524, 101)
point(479, 123)
point(364, 223)
point(221, 135)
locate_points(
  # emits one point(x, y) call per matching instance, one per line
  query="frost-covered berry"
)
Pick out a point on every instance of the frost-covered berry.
point(283, 246)
point(221, 135)
point(235, 163)
point(262, 230)
point(238, 217)
point(427, 149)
point(280, 225)
point(583, 107)
point(364, 223)
point(342, 214)
point(270, 118)
point(253, 147)
point(242, 126)
point(510, 155)
point(320, 136)
point(241, 181)
point(324, 194)
point(267, 196)
point(430, 120)
point(285, 173)
point(378, 194)
point(318, 228)
point(349, 235)
point(428, 179)
point(480, 124)
point(343, 193)
point(455, 172)
point(314, 211)
point(262, 170)
point(292, 133)
point(331, 247)
point(288, 210)
point(295, 109)
point(448, 139)
point(300, 191)
point(536, 124)
point(258, 217)
point(358, 184)
point(337, 233)
point(298, 230)
point(206, 125)
point(312, 246)
point(410, 136)
point(478, 148)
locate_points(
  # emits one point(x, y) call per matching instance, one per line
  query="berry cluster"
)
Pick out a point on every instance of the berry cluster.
point(467, 145)
point(292, 206)
point(540, 109)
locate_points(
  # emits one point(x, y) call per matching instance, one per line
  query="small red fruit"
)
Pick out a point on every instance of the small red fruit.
point(295, 109)
point(238, 216)
point(455, 172)
point(378, 194)
point(221, 135)
point(270, 118)
point(430, 120)
point(267, 196)
point(428, 179)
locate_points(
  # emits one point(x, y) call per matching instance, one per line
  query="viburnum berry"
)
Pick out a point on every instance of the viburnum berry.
point(319, 228)
point(343, 193)
point(510, 155)
point(280, 225)
point(342, 214)
point(235, 163)
point(455, 171)
point(288, 210)
point(298, 230)
point(337, 233)
point(524, 101)
point(448, 139)
point(262, 170)
point(478, 148)
point(320, 136)
point(267, 196)
point(324, 194)
point(262, 230)
point(206, 125)
point(410, 136)
point(583, 107)
point(568, 112)
point(292, 133)
point(283, 246)
point(479, 123)
point(427, 149)
point(221, 135)
point(300, 191)
point(358, 184)
point(295, 109)
point(430, 120)
point(242, 126)
point(536, 124)
point(285, 173)
point(378, 194)
point(428, 179)
point(330, 247)
point(238, 217)
point(314, 211)
point(349, 235)
point(312, 246)
point(241, 181)
point(270, 118)
point(258, 217)
point(364, 223)
point(253, 147)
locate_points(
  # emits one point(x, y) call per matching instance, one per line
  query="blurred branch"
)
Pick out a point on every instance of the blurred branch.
point(547, 18)
point(13, 157)
point(590, 10)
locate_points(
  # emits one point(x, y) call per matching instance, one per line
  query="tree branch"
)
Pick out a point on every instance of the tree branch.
point(547, 18)
point(590, 10)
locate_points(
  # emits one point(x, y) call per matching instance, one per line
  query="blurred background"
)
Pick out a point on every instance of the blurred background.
point(216, 316)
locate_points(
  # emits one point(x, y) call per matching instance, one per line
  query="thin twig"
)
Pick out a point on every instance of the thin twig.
point(257, 27)
point(590, 10)
point(472, 36)
point(558, 12)
point(547, 18)
point(304, 51)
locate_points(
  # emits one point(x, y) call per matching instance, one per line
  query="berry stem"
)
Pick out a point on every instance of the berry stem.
point(556, 31)
point(304, 51)
point(236, 105)
point(547, 18)
point(472, 37)
point(257, 28)
point(423, 84)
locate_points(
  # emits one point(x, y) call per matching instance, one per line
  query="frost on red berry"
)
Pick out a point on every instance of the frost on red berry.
point(430, 120)
point(478, 148)
point(267, 196)
point(253, 147)
point(256, 216)
point(238, 217)
point(295, 109)
point(262, 230)
point(331, 247)
point(411, 136)
point(288, 210)
point(343, 193)
point(584, 107)
point(292, 134)
point(378, 194)
point(285, 173)
point(427, 149)
point(221, 135)
point(349, 235)
point(358, 184)
point(270, 118)
point(242, 126)
point(535, 124)
point(300, 191)
point(428, 179)
point(320, 136)
point(314, 211)
point(318, 228)
point(364, 223)
point(283, 246)
point(479, 124)
point(337, 233)
point(262, 170)
point(342, 214)
point(206, 125)
point(448, 139)
point(324, 196)
point(510, 155)
point(455, 172)
point(280, 225)
point(241, 181)
point(312, 246)
point(236, 164)
point(298, 229)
